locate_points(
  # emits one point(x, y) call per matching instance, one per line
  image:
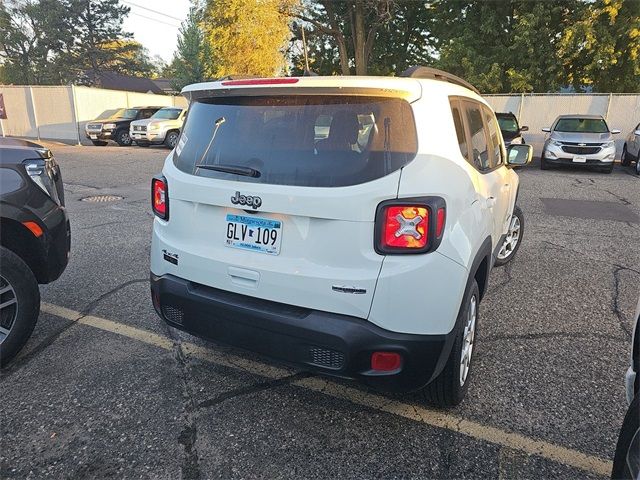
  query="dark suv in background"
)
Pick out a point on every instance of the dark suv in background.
point(35, 237)
point(116, 127)
point(511, 131)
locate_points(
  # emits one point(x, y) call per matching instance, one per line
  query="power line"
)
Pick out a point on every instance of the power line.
point(153, 11)
point(155, 20)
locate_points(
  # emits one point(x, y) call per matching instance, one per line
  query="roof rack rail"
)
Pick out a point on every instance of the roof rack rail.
point(435, 74)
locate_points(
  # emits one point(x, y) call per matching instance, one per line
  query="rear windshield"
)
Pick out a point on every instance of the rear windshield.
point(167, 113)
point(508, 124)
point(581, 125)
point(303, 140)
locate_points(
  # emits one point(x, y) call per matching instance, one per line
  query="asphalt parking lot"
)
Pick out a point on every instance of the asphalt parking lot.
point(105, 388)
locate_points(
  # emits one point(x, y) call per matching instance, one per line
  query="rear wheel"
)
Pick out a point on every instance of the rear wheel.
point(450, 387)
point(638, 167)
point(99, 143)
point(172, 139)
point(625, 159)
point(123, 138)
point(19, 304)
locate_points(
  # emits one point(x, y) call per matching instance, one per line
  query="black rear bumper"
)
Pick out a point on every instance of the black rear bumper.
point(323, 342)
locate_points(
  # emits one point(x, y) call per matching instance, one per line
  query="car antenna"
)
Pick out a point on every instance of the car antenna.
point(219, 122)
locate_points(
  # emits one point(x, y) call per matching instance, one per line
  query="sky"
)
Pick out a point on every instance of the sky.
point(155, 23)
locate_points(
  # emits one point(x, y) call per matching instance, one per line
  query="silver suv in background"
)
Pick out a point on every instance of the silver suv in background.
point(579, 140)
point(162, 128)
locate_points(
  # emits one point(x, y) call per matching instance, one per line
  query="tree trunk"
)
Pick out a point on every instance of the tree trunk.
point(344, 55)
point(359, 42)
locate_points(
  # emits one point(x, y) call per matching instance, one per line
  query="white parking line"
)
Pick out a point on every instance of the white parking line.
point(435, 418)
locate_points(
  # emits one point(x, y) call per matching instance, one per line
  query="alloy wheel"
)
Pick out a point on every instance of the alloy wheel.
point(8, 308)
point(468, 339)
point(512, 239)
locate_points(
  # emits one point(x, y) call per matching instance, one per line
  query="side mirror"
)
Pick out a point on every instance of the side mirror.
point(615, 131)
point(637, 132)
point(546, 129)
point(519, 154)
point(524, 128)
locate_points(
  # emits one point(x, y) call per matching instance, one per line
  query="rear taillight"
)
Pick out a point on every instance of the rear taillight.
point(160, 197)
point(412, 225)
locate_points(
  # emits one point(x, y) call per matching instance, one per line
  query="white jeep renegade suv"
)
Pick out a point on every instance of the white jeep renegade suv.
point(344, 224)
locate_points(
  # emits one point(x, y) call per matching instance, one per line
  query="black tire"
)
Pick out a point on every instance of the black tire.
point(638, 167)
point(446, 390)
point(20, 323)
point(630, 426)
point(99, 143)
point(123, 138)
point(172, 139)
point(543, 163)
point(520, 216)
point(625, 158)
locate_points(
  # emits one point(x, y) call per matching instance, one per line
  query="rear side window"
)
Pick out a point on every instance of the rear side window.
point(479, 145)
point(302, 140)
point(495, 147)
point(462, 136)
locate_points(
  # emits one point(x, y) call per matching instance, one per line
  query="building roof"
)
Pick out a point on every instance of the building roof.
point(117, 81)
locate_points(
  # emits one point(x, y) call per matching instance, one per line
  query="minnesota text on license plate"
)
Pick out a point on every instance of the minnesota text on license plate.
point(254, 233)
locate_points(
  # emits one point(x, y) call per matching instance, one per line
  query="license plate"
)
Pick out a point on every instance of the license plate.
point(93, 137)
point(253, 233)
point(579, 159)
point(137, 136)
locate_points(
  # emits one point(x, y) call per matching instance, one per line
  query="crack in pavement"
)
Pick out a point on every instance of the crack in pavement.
point(188, 436)
point(616, 299)
point(254, 388)
point(622, 199)
point(23, 360)
point(545, 335)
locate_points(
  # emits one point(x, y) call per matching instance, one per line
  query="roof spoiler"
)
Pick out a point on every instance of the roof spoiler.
point(435, 74)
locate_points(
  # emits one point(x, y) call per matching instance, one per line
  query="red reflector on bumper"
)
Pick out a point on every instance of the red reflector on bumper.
point(385, 361)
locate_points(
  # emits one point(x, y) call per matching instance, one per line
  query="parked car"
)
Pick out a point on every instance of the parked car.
point(364, 258)
point(579, 140)
point(631, 149)
point(163, 127)
point(511, 130)
point(116, 127)
point(35, 237)
point(626, 463)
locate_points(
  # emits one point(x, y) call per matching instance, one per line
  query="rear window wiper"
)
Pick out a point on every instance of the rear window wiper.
point(234, 169)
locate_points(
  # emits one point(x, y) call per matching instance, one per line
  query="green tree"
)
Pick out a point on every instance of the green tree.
point(101, 44)
point(32, 35)
point(504, 46)
point(602, 49)
point(191, 61)
point(397, 37)
point(247, 37)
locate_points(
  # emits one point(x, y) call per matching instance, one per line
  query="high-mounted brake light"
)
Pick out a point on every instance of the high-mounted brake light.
point(160, 197)
point(412, 225)
point(259, 81)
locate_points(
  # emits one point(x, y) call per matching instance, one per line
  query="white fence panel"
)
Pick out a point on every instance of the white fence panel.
point(54, 113)
point(21, 120)
point(540, 110)
point(148, 100)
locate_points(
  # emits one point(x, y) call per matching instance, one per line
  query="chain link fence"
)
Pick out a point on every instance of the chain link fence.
point(60, 113)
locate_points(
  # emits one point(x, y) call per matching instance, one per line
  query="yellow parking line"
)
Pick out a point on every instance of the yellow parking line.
point(440, 419)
